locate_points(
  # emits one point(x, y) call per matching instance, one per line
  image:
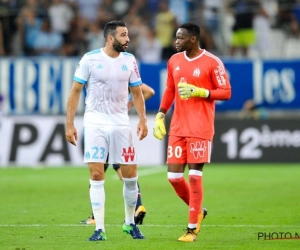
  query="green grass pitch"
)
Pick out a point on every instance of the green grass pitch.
point(41, 209)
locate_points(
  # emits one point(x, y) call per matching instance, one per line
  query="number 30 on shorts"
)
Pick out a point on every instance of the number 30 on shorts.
point(177, 152)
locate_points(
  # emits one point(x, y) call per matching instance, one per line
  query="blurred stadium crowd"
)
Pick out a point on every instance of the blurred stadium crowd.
point(242, 28)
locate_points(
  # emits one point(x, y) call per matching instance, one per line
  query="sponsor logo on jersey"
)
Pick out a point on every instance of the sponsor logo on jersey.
point(198, 149)
point(219, 73)
point(177, 68)
point(136, 69)
point(99, 66)
point(128, 154)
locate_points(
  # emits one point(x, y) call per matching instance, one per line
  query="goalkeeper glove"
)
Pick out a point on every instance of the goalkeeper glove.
point(188, 90)
point(159, 129)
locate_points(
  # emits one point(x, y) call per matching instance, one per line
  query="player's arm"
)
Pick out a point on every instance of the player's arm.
point(221, 82)
point(147, 91)
point(139, 103)
point(220, 94)
point(167, 99)
point(159, 129)
point(189, 90)
point(72, 104)
point(169, 93)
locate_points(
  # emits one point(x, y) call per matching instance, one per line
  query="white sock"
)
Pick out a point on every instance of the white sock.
point(130, 193)
point(97, 196)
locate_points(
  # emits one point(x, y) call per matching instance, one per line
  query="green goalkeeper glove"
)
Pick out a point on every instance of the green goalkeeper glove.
point(188, 90)
point(159, 129)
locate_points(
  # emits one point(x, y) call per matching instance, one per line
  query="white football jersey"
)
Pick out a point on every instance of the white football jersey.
point(107, 80)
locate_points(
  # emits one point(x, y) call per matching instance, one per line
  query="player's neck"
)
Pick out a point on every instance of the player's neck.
point(194, 52)
point(111, 52)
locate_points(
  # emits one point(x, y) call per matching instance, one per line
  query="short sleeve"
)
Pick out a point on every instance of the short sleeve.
point(82, 72)
point(135, 78)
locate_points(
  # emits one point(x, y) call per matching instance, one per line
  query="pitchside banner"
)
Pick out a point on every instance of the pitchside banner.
point(41, 85)
point(40, 140)
point(271, 84)
point(257, 141)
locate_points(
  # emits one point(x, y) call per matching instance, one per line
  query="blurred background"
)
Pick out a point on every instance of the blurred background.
point(42, 41)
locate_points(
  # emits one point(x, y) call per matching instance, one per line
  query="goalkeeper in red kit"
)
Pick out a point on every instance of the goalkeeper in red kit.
point(192, 126)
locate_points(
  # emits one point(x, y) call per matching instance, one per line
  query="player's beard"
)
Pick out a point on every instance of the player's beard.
point(179, 48)
point(118, 46)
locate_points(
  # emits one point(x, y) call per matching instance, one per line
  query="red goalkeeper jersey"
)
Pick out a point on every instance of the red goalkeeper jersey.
point(195, 117)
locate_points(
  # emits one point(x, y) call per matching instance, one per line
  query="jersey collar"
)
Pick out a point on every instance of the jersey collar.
point(195, 58)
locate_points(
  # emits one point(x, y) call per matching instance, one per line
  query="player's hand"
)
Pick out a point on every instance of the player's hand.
point(159, 129)
point(71, 134)
point(188, 90)
point(142, 129)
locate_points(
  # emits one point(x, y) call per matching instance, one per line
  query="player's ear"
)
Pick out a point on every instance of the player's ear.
point(193, 39)
point(110, 38)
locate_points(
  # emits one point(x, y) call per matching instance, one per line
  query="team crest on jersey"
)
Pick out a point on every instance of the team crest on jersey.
point(196, 72)
point(87, 155)
point(128, 154)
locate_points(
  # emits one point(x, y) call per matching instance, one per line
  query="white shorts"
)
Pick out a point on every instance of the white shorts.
point(115, 140)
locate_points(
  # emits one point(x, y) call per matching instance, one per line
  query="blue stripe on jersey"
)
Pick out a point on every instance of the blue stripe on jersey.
point(133, 84)
point(93, 52)
point(127, 54)
point(79, 80)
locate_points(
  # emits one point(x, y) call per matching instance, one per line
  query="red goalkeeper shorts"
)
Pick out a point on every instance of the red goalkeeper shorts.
point(183, 150)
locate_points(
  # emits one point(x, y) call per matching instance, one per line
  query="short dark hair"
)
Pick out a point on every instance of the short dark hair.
point(192, 28)
point(110, 27)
